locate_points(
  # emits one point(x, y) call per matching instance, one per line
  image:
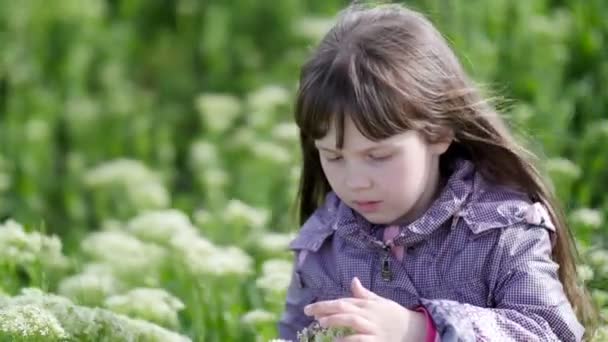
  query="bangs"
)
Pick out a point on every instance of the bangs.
point(374, 102)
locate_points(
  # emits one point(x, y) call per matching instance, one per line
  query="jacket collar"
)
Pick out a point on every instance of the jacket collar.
point(467, 195)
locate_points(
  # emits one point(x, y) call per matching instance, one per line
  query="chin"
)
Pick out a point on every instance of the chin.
point(376, 219)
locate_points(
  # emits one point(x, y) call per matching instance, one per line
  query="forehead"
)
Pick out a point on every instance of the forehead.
point(354, 139)
point(352, 136)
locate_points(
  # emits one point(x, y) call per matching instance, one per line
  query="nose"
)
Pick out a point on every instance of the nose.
point(357, 180)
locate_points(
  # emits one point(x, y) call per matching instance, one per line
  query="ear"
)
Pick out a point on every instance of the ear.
point(444, 139)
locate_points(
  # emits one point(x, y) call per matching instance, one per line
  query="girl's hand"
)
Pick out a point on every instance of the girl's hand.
point(373, 318)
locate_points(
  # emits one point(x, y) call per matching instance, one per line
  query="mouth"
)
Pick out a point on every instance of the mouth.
point(367, 206)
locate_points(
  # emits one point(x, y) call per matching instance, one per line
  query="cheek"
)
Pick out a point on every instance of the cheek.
point(331, 172)
point(403, 179)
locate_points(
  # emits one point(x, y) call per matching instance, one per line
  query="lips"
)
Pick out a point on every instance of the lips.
point(367, 206)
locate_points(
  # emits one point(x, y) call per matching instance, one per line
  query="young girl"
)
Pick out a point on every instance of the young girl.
point(423, 219)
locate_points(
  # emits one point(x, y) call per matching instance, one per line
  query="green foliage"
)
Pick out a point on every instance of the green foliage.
point(113, 110)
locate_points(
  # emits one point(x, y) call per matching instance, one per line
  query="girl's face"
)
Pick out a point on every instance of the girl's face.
point(389, 181)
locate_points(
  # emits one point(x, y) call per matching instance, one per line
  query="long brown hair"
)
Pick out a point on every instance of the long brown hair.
point(389, 70)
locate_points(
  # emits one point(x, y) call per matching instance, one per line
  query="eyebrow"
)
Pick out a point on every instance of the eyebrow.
point(369, 149)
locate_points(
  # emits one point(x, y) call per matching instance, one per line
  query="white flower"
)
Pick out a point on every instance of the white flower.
point(599, 259)
point(37, 130)
point(257, 316)
point(203, 154)
point(313, 28)
point(214, 177)
point(160, 226)
point(275, 242)
point(119, 171)
point(31, 321)
point(219, 262)
point(202, 217)
point(129, 257)
point(192, 244)
point(276, 276)
point(267, 98)
point(563, 167)
point(277, 266)
point(243, 138)
point(286, 131)
point(237, 212)
point(150, 304)
point(24, 248)
point(87, 324)
point(587, 217)
point(218, 111)
point(263, 104)
point(585, 273)
point(91, 286)
point(271, 152)
point(81, 111)
point(148, 195)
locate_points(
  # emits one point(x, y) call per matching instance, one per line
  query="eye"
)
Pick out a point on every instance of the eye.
point(380, 157)
point(333, 158)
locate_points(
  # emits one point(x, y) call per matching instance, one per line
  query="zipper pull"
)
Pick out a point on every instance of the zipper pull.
point(387, 275)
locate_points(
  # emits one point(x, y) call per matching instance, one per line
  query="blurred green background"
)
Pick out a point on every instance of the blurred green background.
point(138, 138)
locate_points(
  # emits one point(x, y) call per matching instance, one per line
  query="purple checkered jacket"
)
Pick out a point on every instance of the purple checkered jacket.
point(479, 260)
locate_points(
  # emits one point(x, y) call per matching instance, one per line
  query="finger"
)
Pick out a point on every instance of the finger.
point(358, 323)
point(329, 307)
point(359, 291)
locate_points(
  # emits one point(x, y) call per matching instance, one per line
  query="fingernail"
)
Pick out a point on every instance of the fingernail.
point(307, 310)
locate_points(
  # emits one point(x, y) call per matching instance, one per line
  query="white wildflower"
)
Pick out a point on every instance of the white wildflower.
point(91, 286)
point(218, 111)
point(598, 258)
point(313, 28)
point(193, 244)
point(84, 324)
point(277, 266)
point(214, 177)
point(587, 217)
point(151, 304)
point(24, 248)
point(258, 316)
point(264, 103)
point(237, 212)
point(276, 276)
point(18, 321)
point(119, 171)
point(222, 261)
point(148, 195)
point(202, 217)
point(37, 130)
point(129, 257)
point(267, 98)
point(563, 167)
point(286, 131)
point(275, 242)
point(243, 138)
point(160, 226)
point(109, 224)
point(585, 273)
point(271, 152)
point(81, 111)
point(203, 154)
point(600, 297)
